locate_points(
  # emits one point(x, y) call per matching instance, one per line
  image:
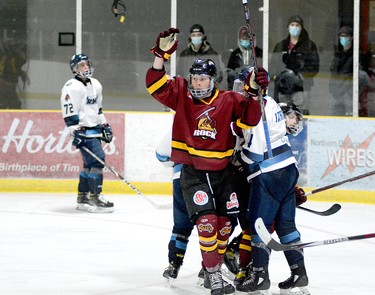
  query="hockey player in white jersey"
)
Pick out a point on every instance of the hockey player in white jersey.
point(81, 104)
point(272, 197)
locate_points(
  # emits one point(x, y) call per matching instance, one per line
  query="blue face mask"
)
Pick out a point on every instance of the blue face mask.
point(294, 31)
point(344, 41)
point(196, 41)
point(245, 43)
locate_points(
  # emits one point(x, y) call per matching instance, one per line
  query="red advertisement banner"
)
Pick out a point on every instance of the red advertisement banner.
point(38, 145)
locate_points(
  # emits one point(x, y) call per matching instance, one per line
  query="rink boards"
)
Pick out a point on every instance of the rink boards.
point(37, 155)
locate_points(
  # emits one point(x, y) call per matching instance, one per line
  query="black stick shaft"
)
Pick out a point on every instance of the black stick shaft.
point(123, 179)
point(340, 183)
point(261, 94)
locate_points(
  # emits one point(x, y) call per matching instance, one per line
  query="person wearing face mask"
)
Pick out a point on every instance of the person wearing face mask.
point(294, 64)
point(242, 55)
point(198, 46)
point(341, 82)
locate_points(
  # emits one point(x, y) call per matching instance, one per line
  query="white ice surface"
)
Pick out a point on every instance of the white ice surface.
point(49, 248)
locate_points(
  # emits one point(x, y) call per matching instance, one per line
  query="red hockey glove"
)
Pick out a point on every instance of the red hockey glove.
point(166, 44)
point(300, 195)
point(254, 81)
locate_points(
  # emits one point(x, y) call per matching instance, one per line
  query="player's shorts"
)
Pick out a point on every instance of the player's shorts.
point(208, 192)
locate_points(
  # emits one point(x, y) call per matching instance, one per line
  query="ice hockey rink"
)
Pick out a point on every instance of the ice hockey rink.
point(47, 247)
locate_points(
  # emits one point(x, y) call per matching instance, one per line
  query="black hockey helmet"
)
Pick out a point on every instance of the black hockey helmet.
point(293, 117)
point(239, 82)
point(244, 72)
point(204, 67)
point(76, 60)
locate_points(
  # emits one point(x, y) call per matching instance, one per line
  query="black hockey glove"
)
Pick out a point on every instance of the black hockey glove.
point(166, 44)
point(79, 139)
point(300, 196)
point(107, 133)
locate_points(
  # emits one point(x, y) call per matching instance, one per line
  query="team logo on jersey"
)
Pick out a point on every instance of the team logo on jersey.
point(91, 99)
point(233, 203)
point(205, 227)
point(67, 97)
point(200, 198)
point(206, 126)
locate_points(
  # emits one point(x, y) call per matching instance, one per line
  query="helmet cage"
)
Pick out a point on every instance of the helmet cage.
point(292, 113)
point(202, 67)
point(294, 129)
point(201, 93)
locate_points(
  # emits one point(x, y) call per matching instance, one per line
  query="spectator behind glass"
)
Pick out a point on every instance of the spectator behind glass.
point(12, 61)
point(295, 62)
point(367, 96)
point(242, 56)
point(198, 47)
point(341, 82)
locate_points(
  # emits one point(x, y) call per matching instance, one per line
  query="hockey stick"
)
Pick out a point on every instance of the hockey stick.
point(261, 100)
point(340, 183)
point(266, 237)
point(157, 206)
point(332, 210)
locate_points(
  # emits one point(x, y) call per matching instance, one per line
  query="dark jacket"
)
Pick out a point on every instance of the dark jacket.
point(341, 82)
point(236, 60)
point(303, 58)
point(188, 55)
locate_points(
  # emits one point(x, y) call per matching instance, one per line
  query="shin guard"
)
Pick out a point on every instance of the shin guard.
point(207, 231)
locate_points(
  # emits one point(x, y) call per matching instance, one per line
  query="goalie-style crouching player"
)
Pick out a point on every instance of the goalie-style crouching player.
point(81, 104)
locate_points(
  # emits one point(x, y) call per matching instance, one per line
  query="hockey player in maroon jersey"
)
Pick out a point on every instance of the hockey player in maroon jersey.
point(202, 140)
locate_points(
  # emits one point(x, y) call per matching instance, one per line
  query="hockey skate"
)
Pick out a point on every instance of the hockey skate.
point(171, 271)
point(83, 201)
point(257, 281)
point(296, 284)
point(220, 286)
point(97, 204)
point(242, 274)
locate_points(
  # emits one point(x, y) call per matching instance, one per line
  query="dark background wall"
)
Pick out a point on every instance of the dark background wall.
point(120, 51)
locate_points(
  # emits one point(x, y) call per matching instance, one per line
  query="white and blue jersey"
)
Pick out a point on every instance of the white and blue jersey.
point(81, 105)
point(254, 151)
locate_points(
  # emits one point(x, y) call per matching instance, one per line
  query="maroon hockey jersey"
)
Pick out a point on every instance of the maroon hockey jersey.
point(201, 134)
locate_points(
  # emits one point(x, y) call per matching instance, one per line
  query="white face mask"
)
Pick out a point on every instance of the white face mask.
point(196, 41)
point(294, 31)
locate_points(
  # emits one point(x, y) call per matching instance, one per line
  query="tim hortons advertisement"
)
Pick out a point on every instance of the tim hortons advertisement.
point(38, 145)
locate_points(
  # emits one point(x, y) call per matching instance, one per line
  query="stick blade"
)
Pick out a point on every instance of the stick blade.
point(335, 208)
point(330, 211)
point(266, 237)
